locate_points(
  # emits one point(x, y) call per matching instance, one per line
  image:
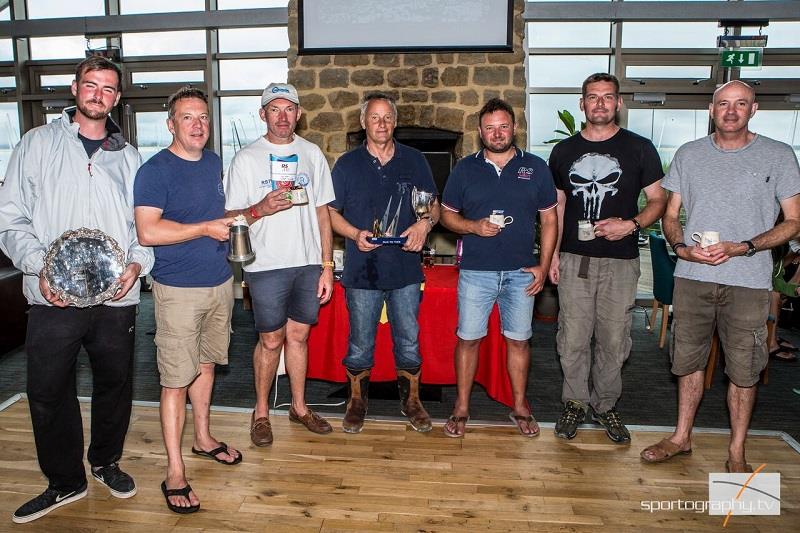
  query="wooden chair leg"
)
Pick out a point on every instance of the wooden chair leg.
point(653, 315)
point(664, 320)
point(713, 355)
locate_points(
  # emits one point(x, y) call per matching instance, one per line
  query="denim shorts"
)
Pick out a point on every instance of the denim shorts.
point(284, 293)
point(478, 290)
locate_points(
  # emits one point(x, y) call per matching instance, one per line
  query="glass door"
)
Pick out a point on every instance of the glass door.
point(146, 126)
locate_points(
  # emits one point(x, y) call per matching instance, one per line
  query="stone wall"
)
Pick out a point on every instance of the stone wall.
point(435, 90)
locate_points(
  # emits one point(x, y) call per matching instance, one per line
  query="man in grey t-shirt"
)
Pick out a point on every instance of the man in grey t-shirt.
point(735, 183)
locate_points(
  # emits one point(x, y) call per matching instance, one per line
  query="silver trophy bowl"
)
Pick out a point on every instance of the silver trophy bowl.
point(83, 267)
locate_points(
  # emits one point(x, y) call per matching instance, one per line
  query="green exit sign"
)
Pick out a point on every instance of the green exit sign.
point(740, 58)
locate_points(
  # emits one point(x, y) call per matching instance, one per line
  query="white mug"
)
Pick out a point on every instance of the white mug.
point(585, 230)
point(705, 238)
point(498, 219)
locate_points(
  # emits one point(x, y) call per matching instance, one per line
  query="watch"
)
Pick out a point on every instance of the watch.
point(751, 249)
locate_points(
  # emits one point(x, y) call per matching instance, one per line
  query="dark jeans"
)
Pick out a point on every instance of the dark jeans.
point(53, 341)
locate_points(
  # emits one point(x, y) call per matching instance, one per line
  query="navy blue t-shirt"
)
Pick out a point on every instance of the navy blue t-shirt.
point(186, 192)
point(523, 188)
point(365, 190)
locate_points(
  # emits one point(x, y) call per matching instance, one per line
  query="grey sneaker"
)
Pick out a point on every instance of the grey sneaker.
point(45, 502)
point(572, 415)
point(615, 429)
point(118, 482)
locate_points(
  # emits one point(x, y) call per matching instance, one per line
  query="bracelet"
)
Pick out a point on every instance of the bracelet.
point(253, 213)
point(330, 264)
point(638, 226)
point(429, 219)
point(678, 245)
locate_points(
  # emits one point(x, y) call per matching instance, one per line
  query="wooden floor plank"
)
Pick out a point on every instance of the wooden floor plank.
point(391, 478)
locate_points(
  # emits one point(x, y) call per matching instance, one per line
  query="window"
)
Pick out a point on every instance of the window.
point(164, 43)
point(669, 129)
point(250, 4)
point(783, 35)
point(697, 72)
point(770, 72)
point(9, 134)
point(543, 113)
point(670, 34)
point(782, 125)
point(152, 134)
point(564, 70)
point(131, 7)
point(171, 76)
point(71, 47)
point(254, 40)
point(569, 34)
point(8, 82)
point(51, 9)
point(238, 74)
point(56, 80)
point(241, 124)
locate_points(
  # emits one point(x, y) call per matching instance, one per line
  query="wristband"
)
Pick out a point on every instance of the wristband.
point(429, 219)
point(638, 226)
point(678, 245)
point(328, 264)
point(253, 213)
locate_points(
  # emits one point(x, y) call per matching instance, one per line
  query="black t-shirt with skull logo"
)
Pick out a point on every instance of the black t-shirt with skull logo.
point(602, 180)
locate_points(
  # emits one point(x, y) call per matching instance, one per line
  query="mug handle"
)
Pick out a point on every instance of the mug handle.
point(508, 220)
point(697, 237)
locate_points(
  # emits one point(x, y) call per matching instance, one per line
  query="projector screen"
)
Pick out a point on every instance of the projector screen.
point(359, 26)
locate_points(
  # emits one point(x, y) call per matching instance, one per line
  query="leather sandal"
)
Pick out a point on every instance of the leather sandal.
point(522, 419)
point(663, 451)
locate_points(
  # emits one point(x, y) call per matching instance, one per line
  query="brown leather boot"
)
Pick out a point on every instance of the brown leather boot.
point(410, 405)
point(353, 421)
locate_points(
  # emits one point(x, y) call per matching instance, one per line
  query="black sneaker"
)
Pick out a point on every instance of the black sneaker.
point(615, 429)
point(118, 482)
point(45, 502)
point(572, 415)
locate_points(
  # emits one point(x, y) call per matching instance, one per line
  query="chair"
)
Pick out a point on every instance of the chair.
point(663, 283)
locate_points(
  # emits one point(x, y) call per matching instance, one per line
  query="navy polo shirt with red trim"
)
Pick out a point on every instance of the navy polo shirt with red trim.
point(523, 188)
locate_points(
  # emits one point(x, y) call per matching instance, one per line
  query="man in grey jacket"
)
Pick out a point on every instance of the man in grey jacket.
point(76, 172)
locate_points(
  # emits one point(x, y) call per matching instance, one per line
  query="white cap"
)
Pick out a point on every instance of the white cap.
point(279, 90)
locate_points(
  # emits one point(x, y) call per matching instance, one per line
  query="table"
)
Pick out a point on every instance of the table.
point(438, 318)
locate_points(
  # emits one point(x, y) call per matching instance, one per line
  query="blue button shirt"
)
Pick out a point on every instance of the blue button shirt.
point(523, 188)
point(365, 190)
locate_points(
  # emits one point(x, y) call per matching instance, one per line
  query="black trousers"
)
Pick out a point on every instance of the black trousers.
point(53, 342)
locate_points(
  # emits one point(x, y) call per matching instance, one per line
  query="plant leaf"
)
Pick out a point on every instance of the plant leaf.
point(568, 120)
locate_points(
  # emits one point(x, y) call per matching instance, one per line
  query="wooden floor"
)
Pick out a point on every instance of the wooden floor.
point(390, 478)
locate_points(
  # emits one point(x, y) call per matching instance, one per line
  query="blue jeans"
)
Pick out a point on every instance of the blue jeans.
point(364, 307)
point(478, 290)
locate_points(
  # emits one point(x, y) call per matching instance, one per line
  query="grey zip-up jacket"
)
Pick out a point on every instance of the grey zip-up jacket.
point(51, 186)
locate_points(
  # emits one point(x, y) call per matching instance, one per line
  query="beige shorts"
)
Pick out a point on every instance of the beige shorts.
point(192, 327)
point(740, 316)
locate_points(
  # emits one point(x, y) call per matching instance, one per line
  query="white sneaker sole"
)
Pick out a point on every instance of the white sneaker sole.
point(31, 517)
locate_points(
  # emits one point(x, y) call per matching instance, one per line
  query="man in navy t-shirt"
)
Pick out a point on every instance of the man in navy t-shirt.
point(179, 209)
point(375, 181)
point(492, 198)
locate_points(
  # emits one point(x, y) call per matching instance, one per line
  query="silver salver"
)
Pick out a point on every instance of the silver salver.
point(83, 267)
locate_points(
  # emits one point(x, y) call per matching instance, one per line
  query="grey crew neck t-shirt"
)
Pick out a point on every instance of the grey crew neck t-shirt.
point(737, 193)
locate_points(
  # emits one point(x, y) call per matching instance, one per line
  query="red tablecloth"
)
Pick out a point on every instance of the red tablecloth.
point(438, 318)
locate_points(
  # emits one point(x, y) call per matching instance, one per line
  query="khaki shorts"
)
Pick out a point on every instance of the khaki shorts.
point(192, 327)
point(740, 316)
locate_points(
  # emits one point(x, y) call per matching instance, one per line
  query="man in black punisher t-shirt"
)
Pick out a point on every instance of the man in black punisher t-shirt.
point(599, 173)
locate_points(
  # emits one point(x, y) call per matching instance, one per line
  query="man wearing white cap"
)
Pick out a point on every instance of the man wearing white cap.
point(281, 184)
